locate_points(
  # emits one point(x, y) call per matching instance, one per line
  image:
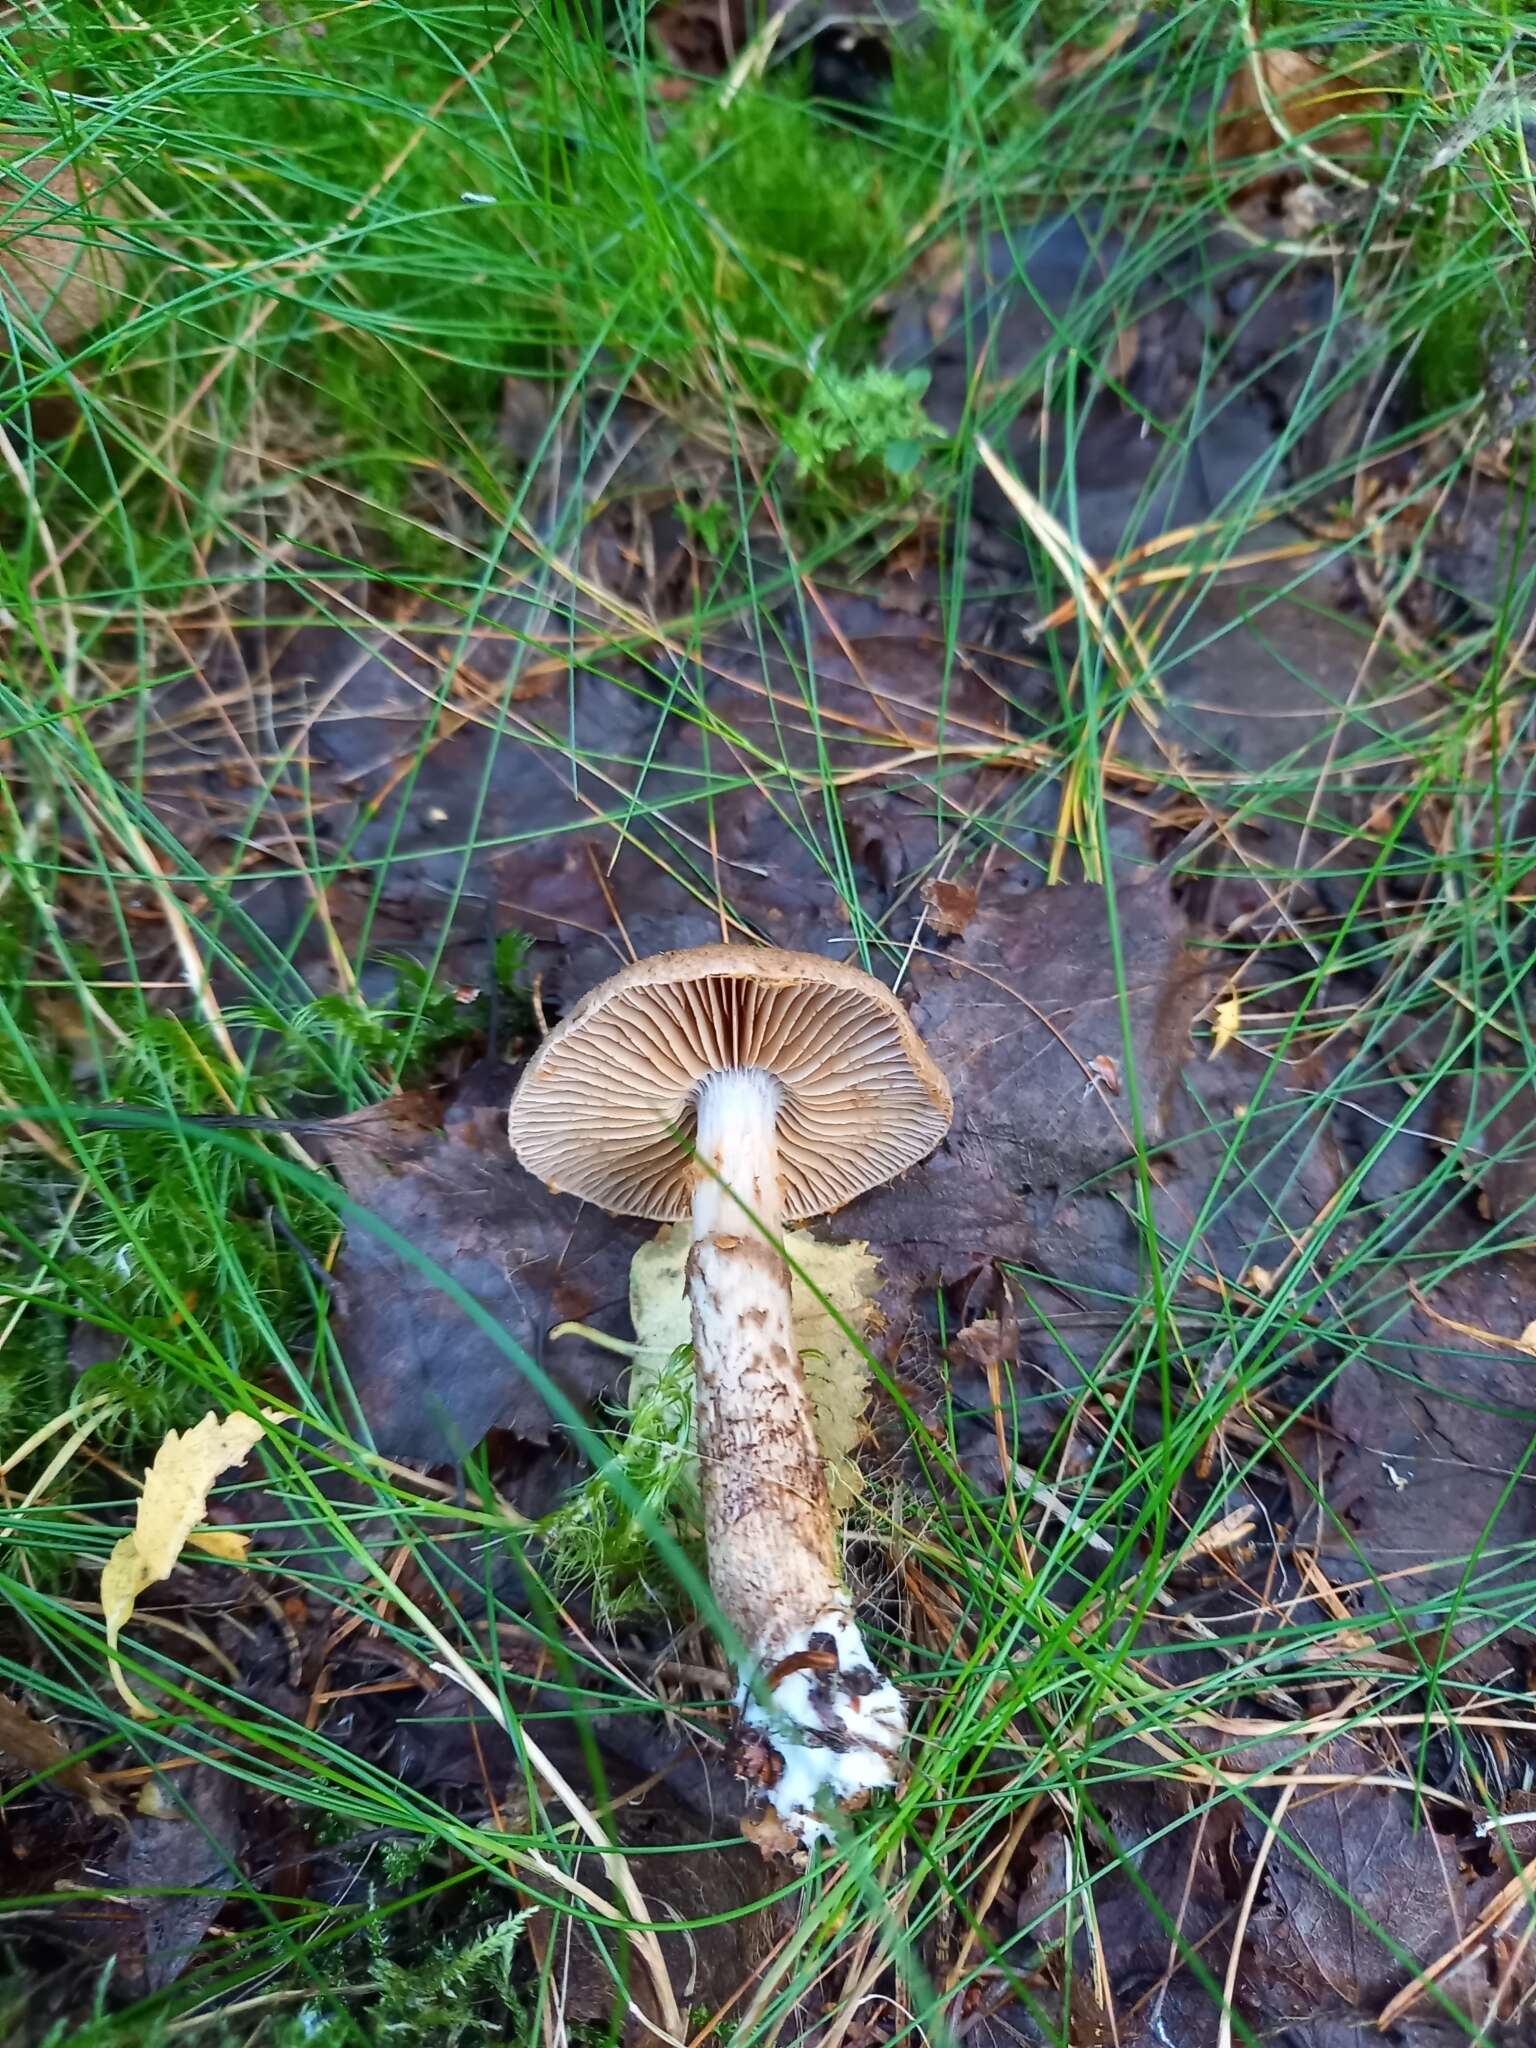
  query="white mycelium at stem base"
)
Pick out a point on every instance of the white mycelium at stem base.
point(816, 1716)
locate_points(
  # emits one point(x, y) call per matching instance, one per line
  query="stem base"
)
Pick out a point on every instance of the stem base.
point(830, 1727)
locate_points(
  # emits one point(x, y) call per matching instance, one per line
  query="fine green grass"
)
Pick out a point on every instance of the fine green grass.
point(342, 231)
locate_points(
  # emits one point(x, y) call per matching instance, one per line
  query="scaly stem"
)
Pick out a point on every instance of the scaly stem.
point(830, 1723)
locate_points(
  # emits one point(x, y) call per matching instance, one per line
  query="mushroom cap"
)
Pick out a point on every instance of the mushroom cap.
point(606, 1106)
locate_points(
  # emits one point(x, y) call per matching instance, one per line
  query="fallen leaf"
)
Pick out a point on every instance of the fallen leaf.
point(1306, 99)
point(1151, 1860)
point(1430, 1419)
point(1232, 1529)
point(1104, 1072)
point(839, 1284)
point(1527, 1339)
point(1228, 1021)
point(1351, 1858)
point(233, 1545)
point(1498, 1097)
point(179, 1864)
point(176, 1489)
point(1075, 59)
point(1017, 1014)
point(988, 1343)
point(430, 1381)
point(35, 1748)
point(951, 906)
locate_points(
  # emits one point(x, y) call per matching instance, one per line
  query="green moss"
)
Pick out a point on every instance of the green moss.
point(361, 233)
point(1452, 358)
point(600, 1541)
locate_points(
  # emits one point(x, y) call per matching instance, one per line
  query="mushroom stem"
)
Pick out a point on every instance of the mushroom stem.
point(830, 1723)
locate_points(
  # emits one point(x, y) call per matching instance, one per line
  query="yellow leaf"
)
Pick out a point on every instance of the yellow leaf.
point(232, 1545)
point(842, 1283)
point(175, 1496)
point(1229, 1020)
point(1527, 1338)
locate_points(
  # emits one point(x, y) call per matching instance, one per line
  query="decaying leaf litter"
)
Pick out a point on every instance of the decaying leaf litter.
point(1202, 1342)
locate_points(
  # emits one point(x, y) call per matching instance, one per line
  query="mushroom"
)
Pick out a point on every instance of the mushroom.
point(748, 1088)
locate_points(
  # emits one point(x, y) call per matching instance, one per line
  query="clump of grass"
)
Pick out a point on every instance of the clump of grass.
point(374, 209)
point(178, 1236)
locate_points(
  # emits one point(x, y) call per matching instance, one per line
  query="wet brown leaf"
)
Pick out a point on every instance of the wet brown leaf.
point(34, 1748)
point(1497, 1098)
point(1023, 1016)
point(430, 1381)
point(1347, 1855)
point(951, 906)
point(1324, 107)
point(181, 1857)
point(1441, 1398)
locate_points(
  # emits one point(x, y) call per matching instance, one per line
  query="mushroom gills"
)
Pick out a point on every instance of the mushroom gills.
point(815, 1716)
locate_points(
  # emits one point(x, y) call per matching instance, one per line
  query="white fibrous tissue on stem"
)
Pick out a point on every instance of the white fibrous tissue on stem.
point(835, 1743)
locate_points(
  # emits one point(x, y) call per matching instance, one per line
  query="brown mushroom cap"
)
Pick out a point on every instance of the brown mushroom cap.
point(606, 1107)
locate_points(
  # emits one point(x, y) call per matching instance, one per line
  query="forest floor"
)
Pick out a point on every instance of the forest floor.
point(1033, 499)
